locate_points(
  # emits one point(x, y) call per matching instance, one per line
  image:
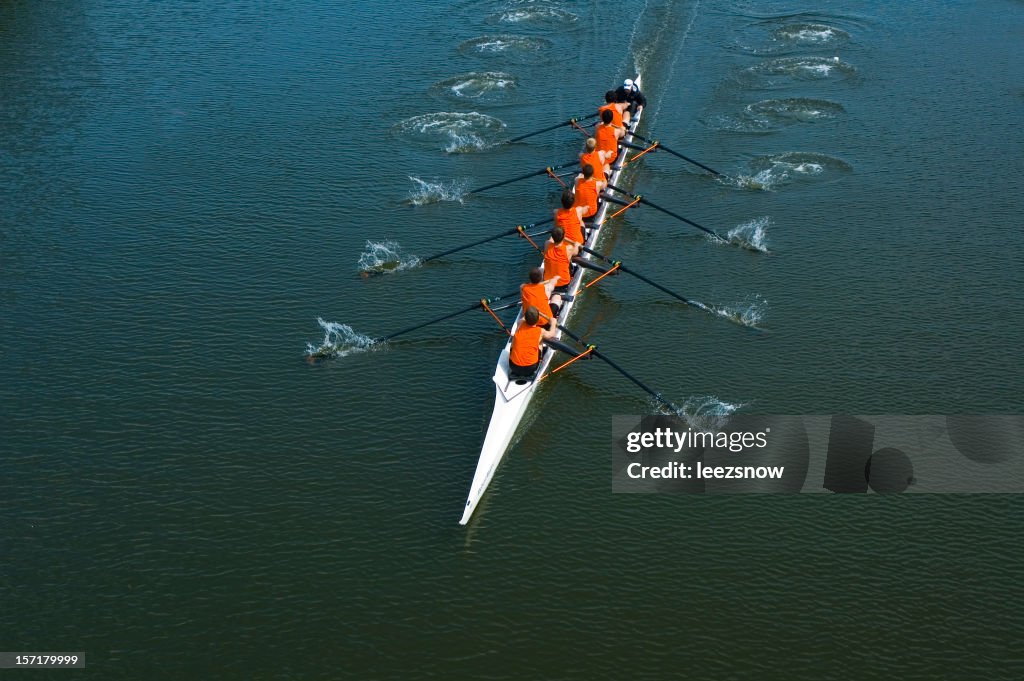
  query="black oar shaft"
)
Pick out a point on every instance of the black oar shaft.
point(685, 158)
point(640, 384)
point(548, 129)
point(646, 202)
point(474, 306)
point(475, 243)
point(677, 216)
point(538, 132)
point(521, 177)
point(509, 232)
point(644, 279)
point(504, 182)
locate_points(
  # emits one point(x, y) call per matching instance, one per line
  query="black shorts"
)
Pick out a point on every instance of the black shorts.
point(516, 371)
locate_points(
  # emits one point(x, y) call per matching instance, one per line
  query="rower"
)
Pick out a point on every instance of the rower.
point(538, 294)
point(588, 188)
point(633, 96)
point(558, 253)
point(594, 157)
point(570, 216)
point(607, 137)
point(527, 344)
point(615, 107)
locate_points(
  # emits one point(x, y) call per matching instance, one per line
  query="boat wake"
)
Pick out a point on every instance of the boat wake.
point(434, 192)
point(381, 257)
point(340, 340)
point(456, 132)
point(752, 235)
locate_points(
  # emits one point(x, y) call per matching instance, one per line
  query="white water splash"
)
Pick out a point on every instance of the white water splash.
point(385, 256)
point(340, 340)
point(748, 313)
point(752, 235)
point(799, 68)
point(706, 412)
point(810, 33)
point(479, 85)
point(520, 49)
point(794, 109)
point(787, 167)
point(426, 192)
point(457, 132)
point(534, 13)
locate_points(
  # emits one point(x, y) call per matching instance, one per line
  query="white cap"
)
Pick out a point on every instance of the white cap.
point(628, 83)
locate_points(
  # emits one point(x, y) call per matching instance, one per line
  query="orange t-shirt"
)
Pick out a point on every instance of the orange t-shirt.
point(534, 294)
point(586, 195)
point(525, 345)
point(616, 114)
point(569, 220)
point(606, 141)
point(556, 262)
point(594, 160)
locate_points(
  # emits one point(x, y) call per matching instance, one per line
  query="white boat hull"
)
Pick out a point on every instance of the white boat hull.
point(512, 396)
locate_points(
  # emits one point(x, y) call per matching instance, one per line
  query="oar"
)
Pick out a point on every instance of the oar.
point(676, 153)
point(663, 210)
point(521, 177)
point(548, 129)
point(642, 278)
point(474, 306)
point(612, 364)
point(509, 232)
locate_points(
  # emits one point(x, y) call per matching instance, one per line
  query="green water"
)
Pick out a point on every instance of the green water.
point(186, 188)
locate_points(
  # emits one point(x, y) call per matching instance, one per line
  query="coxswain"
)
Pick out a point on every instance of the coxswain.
point(527, 344)
point(594, 157)
point(570, 216)
point(537, 292)
point(558, 253)
point(588, 189)
point(610, 104)
point(607, 136)
point(632, 96)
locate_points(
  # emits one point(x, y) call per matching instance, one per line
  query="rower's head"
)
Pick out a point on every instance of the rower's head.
point(557, 234)
point(609, 97)
point(532, 315)
point(628, 84)
point(606, 117)
point(568, 198)
point(621, 96)
point(535, 275)
point(591, 144)
point(588, 171)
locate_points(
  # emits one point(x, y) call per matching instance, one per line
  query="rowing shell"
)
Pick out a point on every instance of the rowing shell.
point(512, 396)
